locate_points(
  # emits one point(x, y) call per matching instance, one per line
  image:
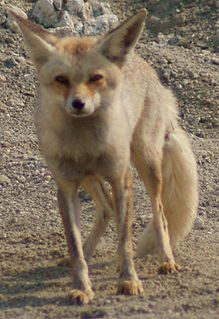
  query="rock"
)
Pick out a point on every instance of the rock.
point(77, 8)
point(44, 12)
point(154, 23)
point(173, 41)
point(63, 31)
point(76, 17)
point(11, 24)
point(66, 21)
point(199, 223)
point(4, 179)
point(78, 25)
point(2, 78)
point(101, 24)
point(215, 61)
point(10, 62)
point(3, 18)
point(57, 4)
point(99, 8)
point(15, 103)
point(193, 75)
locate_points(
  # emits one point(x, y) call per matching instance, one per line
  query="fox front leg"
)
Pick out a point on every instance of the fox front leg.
point(104, 210)
point(82, 292)
point(129, 284)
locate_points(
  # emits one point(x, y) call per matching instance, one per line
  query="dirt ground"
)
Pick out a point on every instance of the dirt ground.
point(33, 285)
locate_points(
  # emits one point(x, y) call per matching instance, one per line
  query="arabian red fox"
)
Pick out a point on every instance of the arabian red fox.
point(101, 107)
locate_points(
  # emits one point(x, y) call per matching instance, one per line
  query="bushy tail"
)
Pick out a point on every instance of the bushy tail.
point(180, 194)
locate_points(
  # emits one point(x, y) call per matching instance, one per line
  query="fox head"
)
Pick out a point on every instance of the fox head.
point(81, 73)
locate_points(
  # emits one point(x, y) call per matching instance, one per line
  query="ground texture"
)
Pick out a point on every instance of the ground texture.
point(33, 285)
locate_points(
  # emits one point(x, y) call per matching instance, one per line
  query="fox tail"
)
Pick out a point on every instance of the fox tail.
point(179, 195)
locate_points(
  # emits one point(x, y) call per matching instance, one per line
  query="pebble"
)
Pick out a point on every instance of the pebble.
point(199, 223)
point(215, 61)
point(2, 78)
point(57, 4)
point(3, 19)
point(193, 75)
point(10, 62)
point(4, 179)
point(20, 59)
point(15, 103)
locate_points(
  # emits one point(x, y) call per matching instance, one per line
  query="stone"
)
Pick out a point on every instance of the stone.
point(99, 8)
point(57, 4)
point(75, 17)
point(199, 223)
point(10, 62)
point(3, 18)
point(4, 179)
point(2, 78)
point(77, 8)
point(215, 61)
point(65, 21)
point(44, 12)
point(63, 31)
point(101, 24)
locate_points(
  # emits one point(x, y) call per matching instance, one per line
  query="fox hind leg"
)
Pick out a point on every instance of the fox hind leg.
point(149, 166)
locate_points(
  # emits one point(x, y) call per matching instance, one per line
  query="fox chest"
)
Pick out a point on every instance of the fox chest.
point(76, 156)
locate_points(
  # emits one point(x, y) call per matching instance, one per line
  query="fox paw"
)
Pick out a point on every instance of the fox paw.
point(130, 287)
point(80, 297)
point(168, 267)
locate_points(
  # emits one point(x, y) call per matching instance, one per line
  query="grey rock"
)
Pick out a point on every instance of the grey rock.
point(99, 8)
point(78, 25)
point(101, 24)
point(65, 21)
point(44, 12)
point(2, 78)
point(10, 62)
point(3, 18)
point(57, 4)
point(199, 223)
point(77, 8)
point(215, 61)
point(174, 40)
point(63, 31)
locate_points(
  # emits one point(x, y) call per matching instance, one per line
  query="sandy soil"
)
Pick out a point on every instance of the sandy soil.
point(33, 285)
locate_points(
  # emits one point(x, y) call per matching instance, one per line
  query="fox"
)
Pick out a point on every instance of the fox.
point(100, 108)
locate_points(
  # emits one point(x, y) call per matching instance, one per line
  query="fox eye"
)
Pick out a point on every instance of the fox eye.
point(96, 77)
point(62, 79)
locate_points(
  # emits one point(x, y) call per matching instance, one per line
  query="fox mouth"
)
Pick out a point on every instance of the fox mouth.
point(80, 113)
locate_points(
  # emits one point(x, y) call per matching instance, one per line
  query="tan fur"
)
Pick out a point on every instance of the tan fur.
point(127, 115)
point(76, 46)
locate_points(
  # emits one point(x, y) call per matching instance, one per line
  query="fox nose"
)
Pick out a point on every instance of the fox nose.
point(78, 104)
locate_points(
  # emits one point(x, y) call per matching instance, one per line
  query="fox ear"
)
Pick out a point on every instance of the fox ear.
point(120, 41)
point(39, 42)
